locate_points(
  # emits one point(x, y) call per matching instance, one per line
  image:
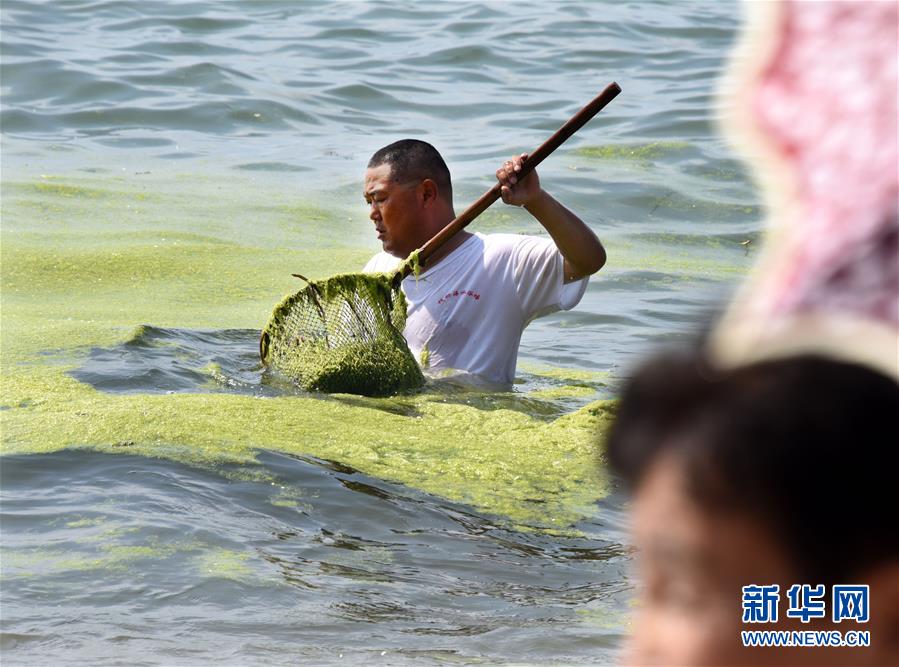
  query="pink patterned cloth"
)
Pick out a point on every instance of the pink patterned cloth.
point(828, 101)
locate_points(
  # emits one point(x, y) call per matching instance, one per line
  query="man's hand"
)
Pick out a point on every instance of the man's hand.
point(582, 251)
point(517, 191)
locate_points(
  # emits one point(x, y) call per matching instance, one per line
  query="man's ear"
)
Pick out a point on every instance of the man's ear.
point(429, 192)
point(883, 613)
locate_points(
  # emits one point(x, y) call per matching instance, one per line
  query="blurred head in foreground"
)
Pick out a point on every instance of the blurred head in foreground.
point(780, 473)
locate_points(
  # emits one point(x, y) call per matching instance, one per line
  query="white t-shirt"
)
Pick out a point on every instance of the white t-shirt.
point(468, 311)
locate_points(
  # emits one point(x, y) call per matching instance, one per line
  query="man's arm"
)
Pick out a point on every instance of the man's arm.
point(584, 254)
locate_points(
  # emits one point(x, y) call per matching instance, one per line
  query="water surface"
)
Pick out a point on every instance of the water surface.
point(166, 166)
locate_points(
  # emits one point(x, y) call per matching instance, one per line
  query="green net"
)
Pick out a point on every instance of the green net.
point(343, 334)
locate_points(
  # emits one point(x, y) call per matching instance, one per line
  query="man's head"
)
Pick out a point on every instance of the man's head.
point(409, 193)
point(775, 473)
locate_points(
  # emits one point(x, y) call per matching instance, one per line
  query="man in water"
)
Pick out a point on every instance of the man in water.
point(477, 293)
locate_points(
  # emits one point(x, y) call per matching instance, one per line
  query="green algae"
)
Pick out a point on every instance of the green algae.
point(292, 498)
point(676, 263)
point(81, 284)
point(642, 152)
point(451, 450)
point(86, 522)
point(214, 372)
point(568, 391)
point(671, 239)
point(66, 190)
point(578, 376)
point(674, 202)
point(602, 617)
point(89, 554)
point(343, 334)
point(379, 368)
point(412, 264)
point(29, 562)
point(225, 564)
point(562, 386)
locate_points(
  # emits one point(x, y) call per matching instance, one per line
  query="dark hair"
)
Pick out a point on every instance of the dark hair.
point(807, 446)
point(414, 160)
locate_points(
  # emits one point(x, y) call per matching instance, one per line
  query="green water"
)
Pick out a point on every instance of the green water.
point(168, 166)
point(121, 262)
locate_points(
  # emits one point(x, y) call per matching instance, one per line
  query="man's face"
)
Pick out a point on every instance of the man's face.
point(395, 209)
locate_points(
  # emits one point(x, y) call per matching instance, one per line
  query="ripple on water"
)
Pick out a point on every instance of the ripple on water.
point(192, 58)
point(349, 564)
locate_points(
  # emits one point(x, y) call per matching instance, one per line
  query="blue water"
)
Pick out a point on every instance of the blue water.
point(328, 565)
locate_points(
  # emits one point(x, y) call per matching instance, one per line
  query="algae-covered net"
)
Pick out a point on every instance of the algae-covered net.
point(343, 334)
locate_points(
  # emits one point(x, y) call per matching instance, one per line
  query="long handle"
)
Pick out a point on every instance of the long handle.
point(576, 122)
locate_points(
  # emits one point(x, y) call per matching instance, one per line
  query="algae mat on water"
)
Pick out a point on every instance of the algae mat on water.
point(85, 262)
